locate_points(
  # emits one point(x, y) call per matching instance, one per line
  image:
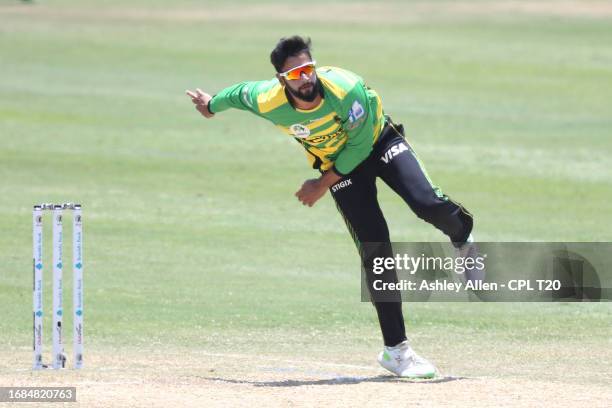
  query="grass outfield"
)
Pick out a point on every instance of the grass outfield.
point(208, 283)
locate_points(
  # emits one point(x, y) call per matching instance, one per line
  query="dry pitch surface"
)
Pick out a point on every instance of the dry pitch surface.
point(157, 378)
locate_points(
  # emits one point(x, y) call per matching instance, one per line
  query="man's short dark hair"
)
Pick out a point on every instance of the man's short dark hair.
point(289, 47)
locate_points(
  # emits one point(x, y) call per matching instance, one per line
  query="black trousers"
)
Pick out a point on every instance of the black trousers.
point(394, 161)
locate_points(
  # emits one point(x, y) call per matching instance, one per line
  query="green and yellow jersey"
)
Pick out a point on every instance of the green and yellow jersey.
point(338, 133)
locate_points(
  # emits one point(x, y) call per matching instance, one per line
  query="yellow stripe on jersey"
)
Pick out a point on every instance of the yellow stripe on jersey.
point(316, 108)
point(321, 152)
point(271, 99)
point(326, 131)
point(315, 124)
point(335, 89)
point(379, 114)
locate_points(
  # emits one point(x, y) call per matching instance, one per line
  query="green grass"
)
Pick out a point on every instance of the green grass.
point(192, 235)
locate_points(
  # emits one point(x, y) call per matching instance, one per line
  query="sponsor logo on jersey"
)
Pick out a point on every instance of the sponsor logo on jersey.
point(393, 151)
point(325, 138)
point(355, 115)
point(300, 130)
point(341, 185)
point(319, 139)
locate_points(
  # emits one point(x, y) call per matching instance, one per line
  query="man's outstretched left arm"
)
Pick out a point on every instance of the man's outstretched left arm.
point(241, 96)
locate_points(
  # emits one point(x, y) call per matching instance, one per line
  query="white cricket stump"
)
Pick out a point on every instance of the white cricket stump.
point(58, 290)
point(77, 286)
point(37, 286)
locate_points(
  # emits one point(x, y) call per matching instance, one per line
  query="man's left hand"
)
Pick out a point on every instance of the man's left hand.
point(311, 191)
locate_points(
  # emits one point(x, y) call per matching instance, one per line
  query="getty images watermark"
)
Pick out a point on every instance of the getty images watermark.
point(494, 272)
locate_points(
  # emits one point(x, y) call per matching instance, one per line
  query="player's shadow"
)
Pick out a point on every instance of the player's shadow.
point(338, 381)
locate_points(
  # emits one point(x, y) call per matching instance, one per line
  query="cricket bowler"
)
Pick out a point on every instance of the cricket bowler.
point(341, 124)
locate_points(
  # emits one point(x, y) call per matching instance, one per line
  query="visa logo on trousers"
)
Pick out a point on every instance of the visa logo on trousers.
point(342, 184)
point(393, 151)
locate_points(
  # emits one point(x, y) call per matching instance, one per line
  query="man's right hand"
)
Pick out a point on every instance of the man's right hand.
point(200, 100)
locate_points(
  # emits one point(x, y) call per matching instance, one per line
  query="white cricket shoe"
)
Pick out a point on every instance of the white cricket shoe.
point(401, 360)
point(473, 271)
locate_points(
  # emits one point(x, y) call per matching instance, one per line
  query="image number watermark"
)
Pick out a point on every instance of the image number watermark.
point(37, 394)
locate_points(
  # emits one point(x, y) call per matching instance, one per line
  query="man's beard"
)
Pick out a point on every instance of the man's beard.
point(306, 96)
